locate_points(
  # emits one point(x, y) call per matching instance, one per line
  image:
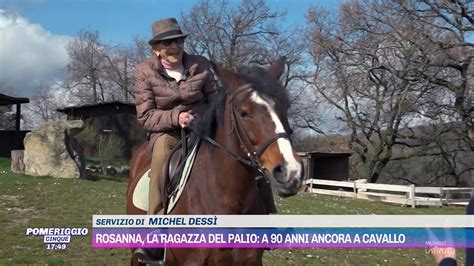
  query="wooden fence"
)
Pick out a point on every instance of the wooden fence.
point(400, 194)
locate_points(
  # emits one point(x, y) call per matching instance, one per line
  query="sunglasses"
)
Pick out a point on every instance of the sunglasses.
point(170, 41)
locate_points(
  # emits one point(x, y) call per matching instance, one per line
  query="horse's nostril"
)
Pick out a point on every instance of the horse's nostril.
point(277, 170)
point(278, 173)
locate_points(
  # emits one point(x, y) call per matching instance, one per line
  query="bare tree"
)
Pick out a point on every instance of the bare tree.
point(445, 54)
point(305, 114)
point(121, 61)
point(441, 32)
point(87, 62)
point(43, 105)
point(356, 72)
point(387, 65)
point(233, 35)
point(250, 32)
point(433, 154)
point(138, 51)
point(119, 72)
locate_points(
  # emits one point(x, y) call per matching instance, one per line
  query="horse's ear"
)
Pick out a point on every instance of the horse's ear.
point(277, 68)
point(229, 79)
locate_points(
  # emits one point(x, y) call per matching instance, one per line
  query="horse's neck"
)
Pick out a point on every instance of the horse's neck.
point(229, 182)
point(236, 172)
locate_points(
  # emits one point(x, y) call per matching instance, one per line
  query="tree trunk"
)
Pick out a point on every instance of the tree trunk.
point(17, 165)
point(125, 80)
point(94, 89)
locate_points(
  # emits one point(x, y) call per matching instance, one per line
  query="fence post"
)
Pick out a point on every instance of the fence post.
point(412, 196)
point(355, 189)
point(448, 196)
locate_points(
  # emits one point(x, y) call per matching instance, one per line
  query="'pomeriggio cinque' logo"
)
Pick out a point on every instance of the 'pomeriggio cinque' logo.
point(57, 238)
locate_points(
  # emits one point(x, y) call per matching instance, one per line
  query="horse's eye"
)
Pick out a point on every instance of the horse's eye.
point(244, 114)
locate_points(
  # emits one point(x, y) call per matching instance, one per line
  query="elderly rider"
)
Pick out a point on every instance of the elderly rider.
point(170, 89)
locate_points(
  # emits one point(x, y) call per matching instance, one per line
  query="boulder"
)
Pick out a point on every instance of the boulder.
point(50, 150)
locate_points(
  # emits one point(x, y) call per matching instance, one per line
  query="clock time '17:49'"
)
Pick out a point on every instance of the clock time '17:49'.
point(55, 246)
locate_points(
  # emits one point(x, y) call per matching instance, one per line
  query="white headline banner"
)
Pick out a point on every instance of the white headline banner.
point(283, 221)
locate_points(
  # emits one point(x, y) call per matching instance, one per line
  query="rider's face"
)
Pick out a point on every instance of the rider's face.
point(170, 50)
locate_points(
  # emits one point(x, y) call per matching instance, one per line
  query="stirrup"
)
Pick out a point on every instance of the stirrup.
point(144, 257)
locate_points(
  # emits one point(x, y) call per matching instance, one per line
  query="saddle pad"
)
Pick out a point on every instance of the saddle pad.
point(140, 194)
point(188, 165)
point(142, 189)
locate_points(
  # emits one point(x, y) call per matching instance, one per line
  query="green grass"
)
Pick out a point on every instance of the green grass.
point(48, 202)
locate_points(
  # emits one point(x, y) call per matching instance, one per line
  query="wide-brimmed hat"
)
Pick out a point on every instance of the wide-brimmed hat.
point(165, 29)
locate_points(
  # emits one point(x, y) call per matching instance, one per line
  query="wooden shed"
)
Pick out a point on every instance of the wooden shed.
point(326, 165)
point(116, 118)
point(12, 139)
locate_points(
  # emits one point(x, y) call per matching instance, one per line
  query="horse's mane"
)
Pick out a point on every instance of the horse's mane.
point(266, 85)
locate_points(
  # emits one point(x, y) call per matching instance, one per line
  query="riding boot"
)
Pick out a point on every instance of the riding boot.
point(265, 189)
point(152, 256)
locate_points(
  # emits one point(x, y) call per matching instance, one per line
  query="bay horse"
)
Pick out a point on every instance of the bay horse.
point(248, 132)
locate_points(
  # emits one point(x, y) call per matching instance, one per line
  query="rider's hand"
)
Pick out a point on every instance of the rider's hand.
point(185, 118)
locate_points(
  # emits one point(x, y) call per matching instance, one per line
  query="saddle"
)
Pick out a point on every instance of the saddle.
point(177, 167)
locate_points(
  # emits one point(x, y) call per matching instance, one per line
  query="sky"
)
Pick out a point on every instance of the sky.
point(34, 33)
point(118, 21)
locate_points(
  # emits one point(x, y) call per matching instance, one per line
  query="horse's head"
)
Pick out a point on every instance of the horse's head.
point(259, 106)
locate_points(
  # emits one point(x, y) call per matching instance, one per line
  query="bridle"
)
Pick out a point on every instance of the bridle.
point(253, 156)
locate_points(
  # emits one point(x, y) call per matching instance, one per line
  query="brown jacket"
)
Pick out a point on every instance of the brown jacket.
point(159, 98)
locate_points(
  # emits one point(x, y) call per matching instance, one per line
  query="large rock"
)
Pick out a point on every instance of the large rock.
point(50, 150)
